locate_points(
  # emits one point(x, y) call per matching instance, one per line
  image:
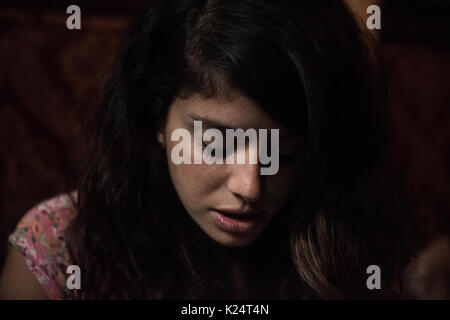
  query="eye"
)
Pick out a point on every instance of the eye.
point(213, 152)
point(290, 157)
point(291, 150)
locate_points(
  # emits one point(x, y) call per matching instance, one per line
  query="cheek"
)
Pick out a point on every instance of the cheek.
point(194, 183)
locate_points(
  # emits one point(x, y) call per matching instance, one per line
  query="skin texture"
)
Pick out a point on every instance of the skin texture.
point(202, 187)
point(17, 281)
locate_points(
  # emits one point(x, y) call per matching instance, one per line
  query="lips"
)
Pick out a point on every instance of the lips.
point(238, 212)
point(236, 221)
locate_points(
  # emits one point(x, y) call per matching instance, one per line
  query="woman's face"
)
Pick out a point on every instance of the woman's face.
point(232, 203)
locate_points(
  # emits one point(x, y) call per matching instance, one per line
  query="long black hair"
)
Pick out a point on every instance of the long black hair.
point(307, 64)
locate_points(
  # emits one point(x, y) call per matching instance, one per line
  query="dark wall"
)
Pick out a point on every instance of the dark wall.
point(416, 52)
point(49, 82)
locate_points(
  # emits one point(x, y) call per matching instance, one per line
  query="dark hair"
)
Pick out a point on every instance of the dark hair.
point(304, 62)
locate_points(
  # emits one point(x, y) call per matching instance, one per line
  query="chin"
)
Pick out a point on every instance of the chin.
point(234, 241)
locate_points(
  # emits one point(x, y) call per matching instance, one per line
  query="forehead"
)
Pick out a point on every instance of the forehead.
point(237, 111)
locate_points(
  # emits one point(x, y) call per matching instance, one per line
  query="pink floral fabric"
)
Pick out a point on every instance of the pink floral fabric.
point(40, 237)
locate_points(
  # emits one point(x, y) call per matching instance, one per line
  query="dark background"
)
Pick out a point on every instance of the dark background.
point(50, 78)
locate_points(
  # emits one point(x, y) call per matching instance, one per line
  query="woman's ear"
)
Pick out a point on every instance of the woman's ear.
point(160, 137)
point(161, 125)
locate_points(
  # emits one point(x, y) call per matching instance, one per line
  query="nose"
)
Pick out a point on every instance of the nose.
point(245, 182)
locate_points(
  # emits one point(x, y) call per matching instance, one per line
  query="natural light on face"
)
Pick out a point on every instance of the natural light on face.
point(232, 203)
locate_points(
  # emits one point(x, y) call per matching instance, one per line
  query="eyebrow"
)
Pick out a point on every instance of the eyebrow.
point(222, 127)
point(210, 122)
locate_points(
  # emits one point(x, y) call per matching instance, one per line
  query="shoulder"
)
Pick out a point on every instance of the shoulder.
point(40, 237)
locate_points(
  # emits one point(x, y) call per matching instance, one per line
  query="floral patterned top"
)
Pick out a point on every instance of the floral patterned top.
point(40, 237)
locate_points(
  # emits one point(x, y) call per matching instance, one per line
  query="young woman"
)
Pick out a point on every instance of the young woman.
point(141, 226)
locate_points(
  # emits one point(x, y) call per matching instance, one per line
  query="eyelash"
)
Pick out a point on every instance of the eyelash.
point(206, 146)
